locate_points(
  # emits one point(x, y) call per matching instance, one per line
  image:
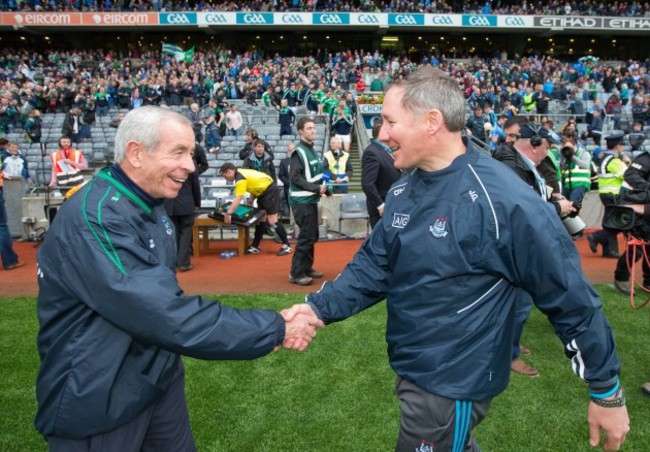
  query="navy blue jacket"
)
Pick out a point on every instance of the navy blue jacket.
point(449, 256)
point(113, 320)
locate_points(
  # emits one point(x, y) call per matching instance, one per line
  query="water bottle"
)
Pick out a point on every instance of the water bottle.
point(228, 254)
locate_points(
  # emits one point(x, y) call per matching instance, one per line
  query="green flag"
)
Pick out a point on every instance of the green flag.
point(188, 55)
point(178, 53)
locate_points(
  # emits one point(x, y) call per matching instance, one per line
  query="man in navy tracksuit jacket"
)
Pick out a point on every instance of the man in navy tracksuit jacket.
point(113, 319)
point(461, 235)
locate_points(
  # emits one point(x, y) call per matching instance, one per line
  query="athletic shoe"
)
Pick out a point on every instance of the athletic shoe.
point(286, 249)
point(622, 286)
point(253, 250)
point(315, 274)
point(645, 388)
point(522, 368)
point(302, 281)
point(593, 246)
point(16, 265)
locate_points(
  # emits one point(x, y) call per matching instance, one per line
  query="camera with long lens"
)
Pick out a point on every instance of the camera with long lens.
point(623, 219)
point(573, 224)
point(567, 152)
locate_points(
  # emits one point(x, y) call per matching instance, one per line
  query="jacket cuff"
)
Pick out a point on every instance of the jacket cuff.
point(315, 309)
point(601, 390)
point(280, 329)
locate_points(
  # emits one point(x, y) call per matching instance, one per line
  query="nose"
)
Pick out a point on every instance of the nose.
point(383, 136)
point(188, 163)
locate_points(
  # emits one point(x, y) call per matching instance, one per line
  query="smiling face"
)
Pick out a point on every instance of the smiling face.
point(401, 132)
point(161, 173)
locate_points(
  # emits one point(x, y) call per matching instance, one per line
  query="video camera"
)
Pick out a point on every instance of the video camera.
point(624, 219)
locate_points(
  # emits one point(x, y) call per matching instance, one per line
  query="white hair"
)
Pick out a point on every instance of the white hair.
point(144, 125)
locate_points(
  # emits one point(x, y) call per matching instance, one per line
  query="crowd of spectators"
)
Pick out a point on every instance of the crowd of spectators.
point(546, 7)
point(86, 84)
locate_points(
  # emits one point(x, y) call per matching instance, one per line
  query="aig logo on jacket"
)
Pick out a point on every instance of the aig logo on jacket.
point(400, 220)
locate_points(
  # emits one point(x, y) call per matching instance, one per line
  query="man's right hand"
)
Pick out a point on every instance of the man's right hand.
point(301, 324)
point(566, 207)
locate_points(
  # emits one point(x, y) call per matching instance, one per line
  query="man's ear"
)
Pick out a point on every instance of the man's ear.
point(434, 120)
point(134, 153)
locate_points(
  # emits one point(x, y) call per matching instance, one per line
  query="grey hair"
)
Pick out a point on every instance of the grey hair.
point(144, 125)
point(428, 88)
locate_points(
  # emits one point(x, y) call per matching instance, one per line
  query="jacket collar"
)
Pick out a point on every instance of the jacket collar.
point(115, 176)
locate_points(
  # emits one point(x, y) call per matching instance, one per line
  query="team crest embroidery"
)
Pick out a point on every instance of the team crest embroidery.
point(439, 228)
point(168, 226)
point(425, 446)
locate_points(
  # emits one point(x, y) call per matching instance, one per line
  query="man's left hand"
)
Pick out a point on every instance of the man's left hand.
point(615, 423)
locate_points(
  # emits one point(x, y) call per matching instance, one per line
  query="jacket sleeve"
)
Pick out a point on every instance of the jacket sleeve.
point(245, 151)
point(363, 283)
point(546, 264)
point(137, 293)
point(268, 150)
point(272, 170)
point(348, 169)
point(201, 159)
point(196, 190)
point(583, 160)
point(369, 174)
point(283, 173)
point(637, 185)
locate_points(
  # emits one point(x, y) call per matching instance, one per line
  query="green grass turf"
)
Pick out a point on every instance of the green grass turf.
point(338, 395)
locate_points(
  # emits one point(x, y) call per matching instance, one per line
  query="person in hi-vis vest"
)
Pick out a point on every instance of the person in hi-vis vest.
point(66, 164)
point(337, 163)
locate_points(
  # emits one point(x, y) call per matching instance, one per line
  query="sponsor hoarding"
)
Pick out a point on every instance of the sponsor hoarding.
point(479, 20)
point(119, 19)
point(177, 18)
point(216, 18)
point(332, 19)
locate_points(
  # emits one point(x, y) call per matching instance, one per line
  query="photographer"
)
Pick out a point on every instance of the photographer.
point(525, 155)
point(610, 178)
point(575, 166)
point(251, 136)
point(635, 193)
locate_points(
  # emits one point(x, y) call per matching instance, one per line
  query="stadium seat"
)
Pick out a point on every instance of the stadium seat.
point(353, 207)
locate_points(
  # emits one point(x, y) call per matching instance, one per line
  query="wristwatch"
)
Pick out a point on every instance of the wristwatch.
point(618, 400)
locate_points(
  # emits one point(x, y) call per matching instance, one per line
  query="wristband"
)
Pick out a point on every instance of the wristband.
point(617, 401)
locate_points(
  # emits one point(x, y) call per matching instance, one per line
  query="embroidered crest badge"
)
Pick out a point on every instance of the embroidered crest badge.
point(439, 228)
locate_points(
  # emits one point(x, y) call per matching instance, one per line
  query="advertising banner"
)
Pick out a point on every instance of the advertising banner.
point(119, 19)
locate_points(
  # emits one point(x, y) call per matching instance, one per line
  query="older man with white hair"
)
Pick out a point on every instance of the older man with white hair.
point(114, 321)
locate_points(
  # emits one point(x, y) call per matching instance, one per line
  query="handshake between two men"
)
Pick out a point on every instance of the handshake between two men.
point(301, 325)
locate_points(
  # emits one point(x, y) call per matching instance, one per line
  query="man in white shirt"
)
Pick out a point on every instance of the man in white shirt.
point(234, 120)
